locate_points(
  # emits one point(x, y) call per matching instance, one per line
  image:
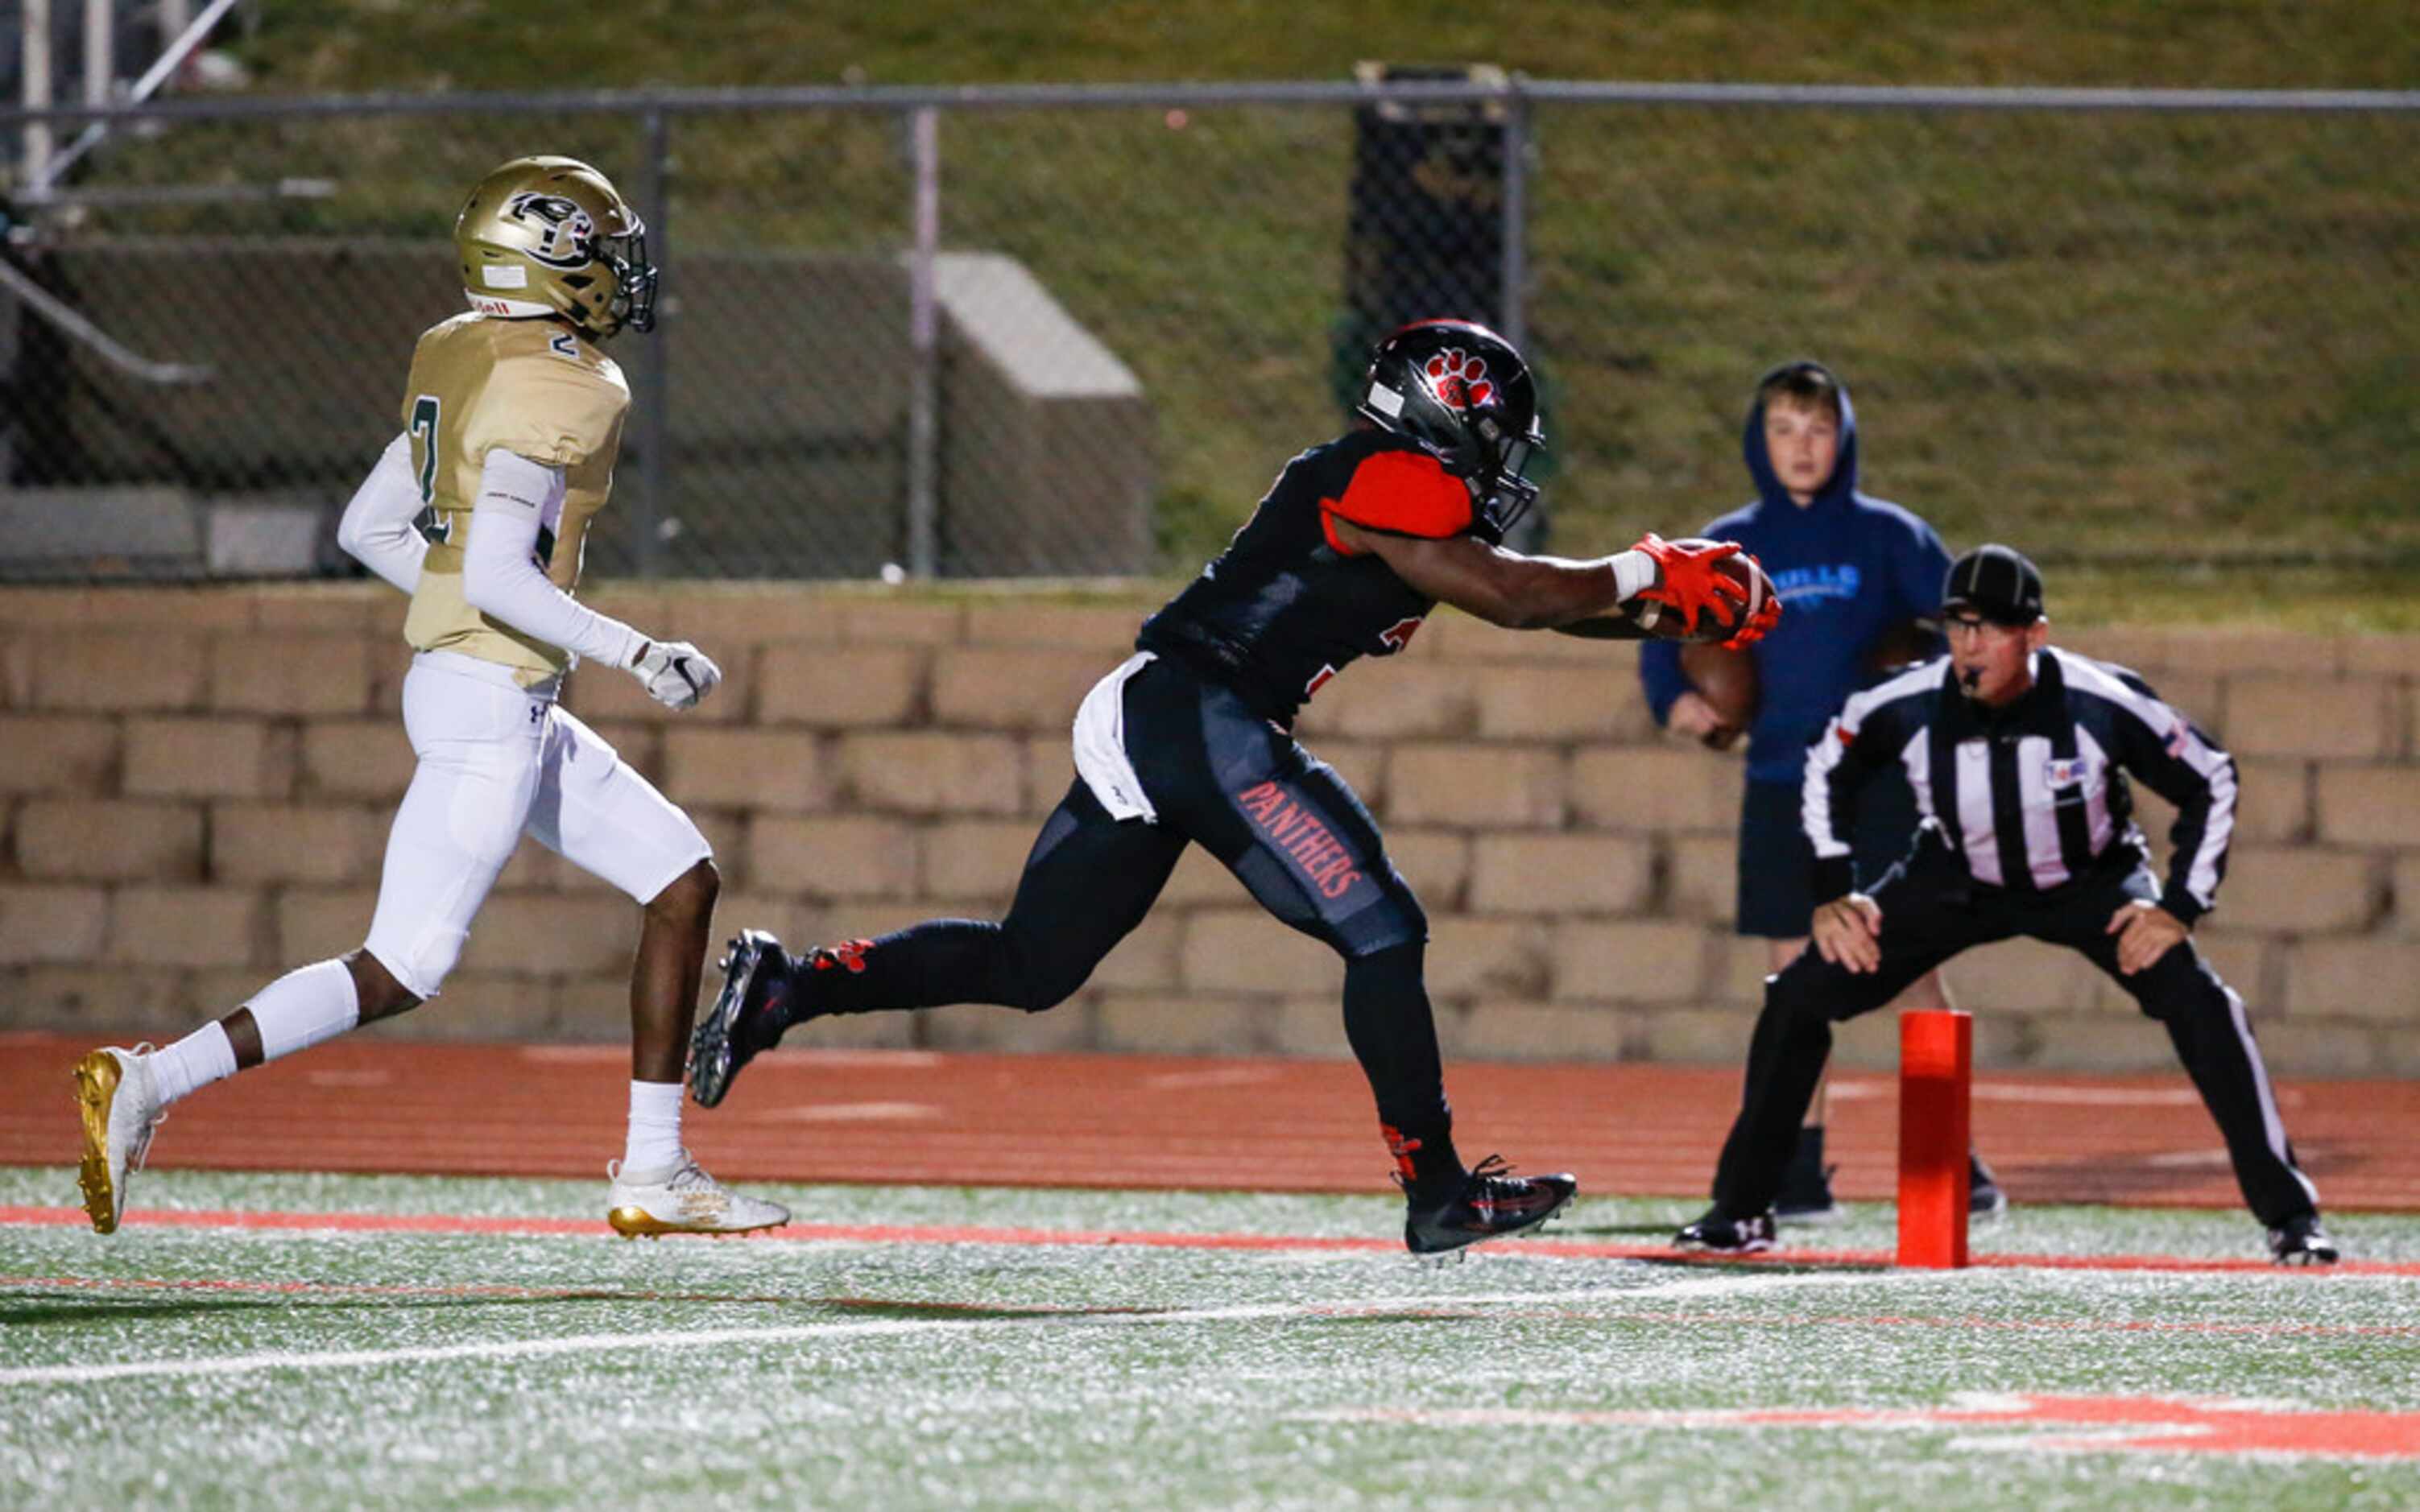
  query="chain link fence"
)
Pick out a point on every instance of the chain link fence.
point(1075, 331)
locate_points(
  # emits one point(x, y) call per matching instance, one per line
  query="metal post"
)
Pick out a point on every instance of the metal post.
point(1529, 532)
point(100, 51)
point(1515, 325)
point(654, 398)
point(37, 91)
point(187, 41)
point(923, 356)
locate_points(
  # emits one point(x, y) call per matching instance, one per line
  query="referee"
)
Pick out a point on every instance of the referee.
point(2018, 754)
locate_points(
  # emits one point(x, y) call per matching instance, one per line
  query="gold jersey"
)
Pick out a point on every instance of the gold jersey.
point(536, 388)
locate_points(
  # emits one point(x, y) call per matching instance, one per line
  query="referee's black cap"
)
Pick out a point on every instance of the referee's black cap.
point(1996, 582)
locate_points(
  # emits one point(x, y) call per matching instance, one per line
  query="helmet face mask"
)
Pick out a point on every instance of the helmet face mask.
point(1461, 392)
point(553, 236)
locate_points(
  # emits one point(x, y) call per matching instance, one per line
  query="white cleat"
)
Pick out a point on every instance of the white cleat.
point(683, 1200)
point(120, 1102)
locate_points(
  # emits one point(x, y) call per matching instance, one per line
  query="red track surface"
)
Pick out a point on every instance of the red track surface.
point(362, 1104)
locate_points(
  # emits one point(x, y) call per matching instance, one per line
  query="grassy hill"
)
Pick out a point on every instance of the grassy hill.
point(317, 46)
point(2183, 342)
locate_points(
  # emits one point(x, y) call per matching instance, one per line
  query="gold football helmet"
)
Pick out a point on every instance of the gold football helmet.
point(552, 236)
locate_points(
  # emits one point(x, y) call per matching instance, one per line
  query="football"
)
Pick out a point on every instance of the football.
point(1724, 678)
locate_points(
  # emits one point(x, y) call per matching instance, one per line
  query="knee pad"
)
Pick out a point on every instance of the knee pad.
point(1395, 920)
point(421, 964)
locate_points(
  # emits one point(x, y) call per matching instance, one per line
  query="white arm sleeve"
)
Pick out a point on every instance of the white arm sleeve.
point(500, 572)
point(376, 530)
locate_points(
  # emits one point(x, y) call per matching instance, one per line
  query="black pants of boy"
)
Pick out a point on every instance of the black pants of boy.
point(1932, 910)
point(1285, 823)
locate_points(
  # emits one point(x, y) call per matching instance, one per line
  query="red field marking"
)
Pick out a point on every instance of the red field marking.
point(1144, 1238)
point(2165, 1425)
point(370, 1103)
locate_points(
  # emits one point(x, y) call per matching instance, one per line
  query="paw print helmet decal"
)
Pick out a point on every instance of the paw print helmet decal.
point(1461, 392)
point(1458, 377)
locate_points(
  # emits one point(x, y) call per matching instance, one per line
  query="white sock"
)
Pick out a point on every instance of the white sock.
point(192, 1063)
point(654, 1127)
point(305, 1006)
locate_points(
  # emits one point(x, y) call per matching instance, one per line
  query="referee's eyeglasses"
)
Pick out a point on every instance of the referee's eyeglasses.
point(1973, 624)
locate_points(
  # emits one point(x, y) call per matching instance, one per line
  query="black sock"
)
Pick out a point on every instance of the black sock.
point(932, 965)
point(1393, 1034)
point(1426, 1161)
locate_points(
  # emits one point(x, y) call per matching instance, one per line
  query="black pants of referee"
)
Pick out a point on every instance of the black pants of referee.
point(1932, 910)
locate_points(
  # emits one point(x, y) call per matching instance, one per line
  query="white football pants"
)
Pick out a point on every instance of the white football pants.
point(498, 761)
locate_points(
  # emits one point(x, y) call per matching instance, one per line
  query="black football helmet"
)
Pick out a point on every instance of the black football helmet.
point(1461, 392)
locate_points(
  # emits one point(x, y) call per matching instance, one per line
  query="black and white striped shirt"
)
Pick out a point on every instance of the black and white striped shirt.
point(2032, 796)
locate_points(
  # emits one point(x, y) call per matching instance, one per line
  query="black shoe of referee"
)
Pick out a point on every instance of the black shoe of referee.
point(2300, 1241)
point(1716, 1232)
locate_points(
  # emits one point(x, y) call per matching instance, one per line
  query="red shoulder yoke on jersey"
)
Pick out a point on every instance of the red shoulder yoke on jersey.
point(1402, 493)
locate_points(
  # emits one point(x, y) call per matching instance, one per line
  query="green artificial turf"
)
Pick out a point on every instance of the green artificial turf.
point(213, 1366)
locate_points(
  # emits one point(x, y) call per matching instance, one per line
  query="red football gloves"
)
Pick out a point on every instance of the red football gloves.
point(1690, 578)
point(1768, 614)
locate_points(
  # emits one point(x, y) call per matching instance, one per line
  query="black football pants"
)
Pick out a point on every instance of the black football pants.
point(1290, 829)
point(1932, 910)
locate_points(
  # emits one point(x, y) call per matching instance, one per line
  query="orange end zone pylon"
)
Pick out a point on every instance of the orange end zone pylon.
point(1936, 1067)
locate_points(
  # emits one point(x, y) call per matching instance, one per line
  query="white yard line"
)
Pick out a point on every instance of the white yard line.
point(237, 1364)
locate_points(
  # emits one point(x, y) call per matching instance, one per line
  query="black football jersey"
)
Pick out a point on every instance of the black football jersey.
point(1285, 607)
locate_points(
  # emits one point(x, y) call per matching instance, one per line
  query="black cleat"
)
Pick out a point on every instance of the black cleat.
point(1489, 1204)
point(1719, 1233)
point(747, 1016)
point(1984, 1198)
point(2303, 1241)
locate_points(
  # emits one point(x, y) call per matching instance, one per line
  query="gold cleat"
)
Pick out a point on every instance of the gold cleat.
point(120, 1108)
point(683, 1200)
point(636, 1222)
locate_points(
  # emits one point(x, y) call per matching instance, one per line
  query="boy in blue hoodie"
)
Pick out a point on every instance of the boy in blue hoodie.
point(1855, 573)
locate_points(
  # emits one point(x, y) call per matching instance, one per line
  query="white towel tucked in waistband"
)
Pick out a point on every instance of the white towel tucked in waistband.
point(1101, 745)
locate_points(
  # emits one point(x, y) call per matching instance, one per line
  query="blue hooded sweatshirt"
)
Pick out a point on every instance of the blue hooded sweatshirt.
point(1849, 568)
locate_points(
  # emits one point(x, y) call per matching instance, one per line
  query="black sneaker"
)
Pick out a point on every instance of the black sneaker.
point(746, 1017)
point(1491, 1203)
point(2302, 1241)
point(1719, 1233)
point(1984, 1198)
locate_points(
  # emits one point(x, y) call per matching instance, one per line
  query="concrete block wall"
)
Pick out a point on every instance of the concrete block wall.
point(196, 787)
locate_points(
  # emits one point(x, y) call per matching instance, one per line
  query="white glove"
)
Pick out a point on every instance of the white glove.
point(677, 674)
